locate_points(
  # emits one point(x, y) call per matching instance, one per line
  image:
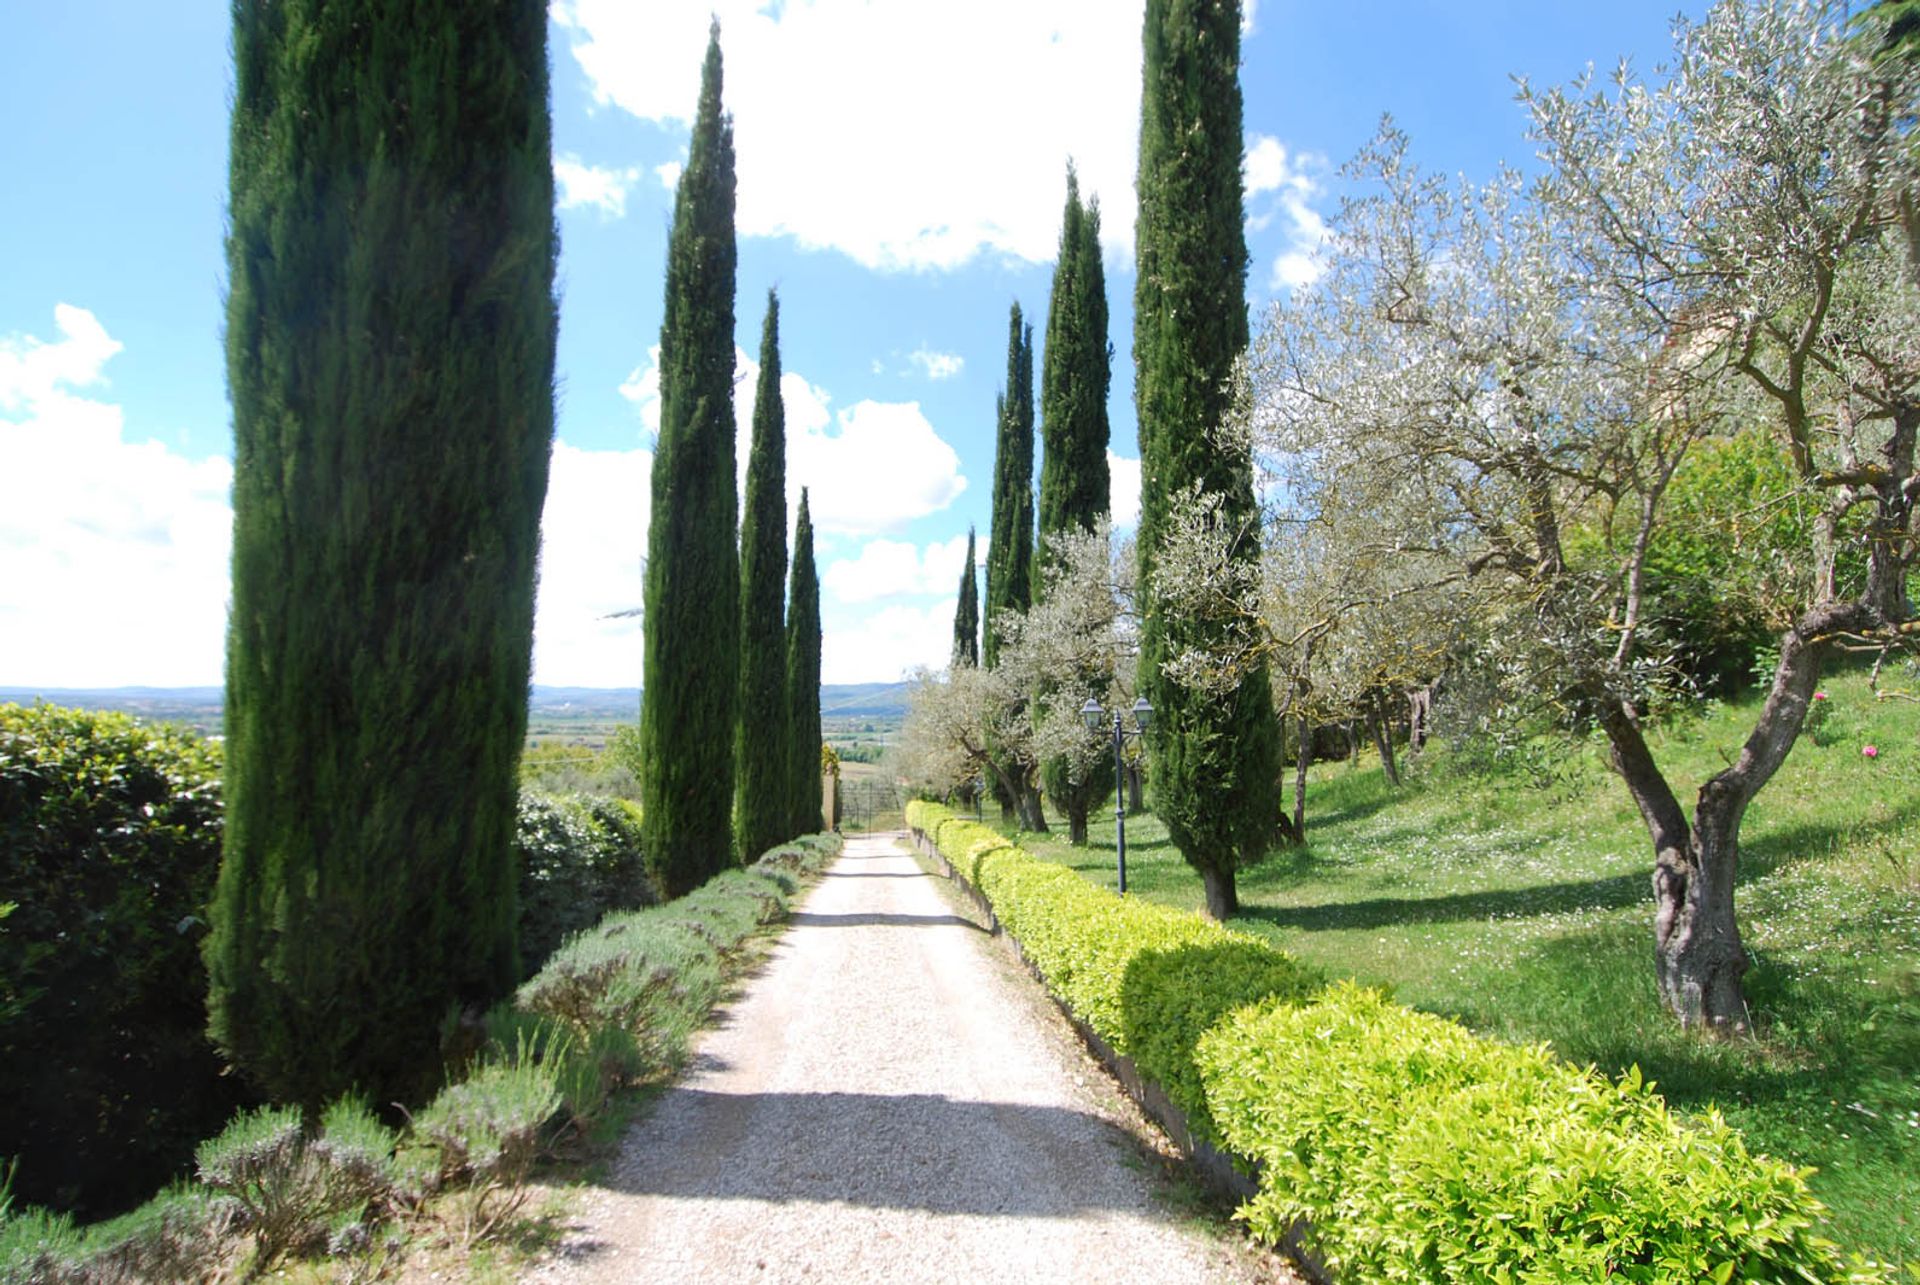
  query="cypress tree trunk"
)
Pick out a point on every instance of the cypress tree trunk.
point(692, 640)
point(966, 614)
point(805, 792)
point(390, 353)
point(764, 736)
point(1214, 758)
point(1074, 482)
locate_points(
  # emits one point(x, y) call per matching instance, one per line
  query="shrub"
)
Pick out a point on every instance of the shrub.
point(109, 845)
point(1415, 1150)
point(486, 1132)
point(648, 975)
point(291, 1187)
point(579, 858)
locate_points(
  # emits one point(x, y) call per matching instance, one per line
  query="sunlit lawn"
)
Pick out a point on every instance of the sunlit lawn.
point(1519, 899)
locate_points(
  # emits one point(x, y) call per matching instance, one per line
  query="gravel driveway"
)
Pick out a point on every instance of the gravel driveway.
point(889, 1099)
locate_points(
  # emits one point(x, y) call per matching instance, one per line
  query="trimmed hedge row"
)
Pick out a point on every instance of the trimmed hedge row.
point(1399, 1145)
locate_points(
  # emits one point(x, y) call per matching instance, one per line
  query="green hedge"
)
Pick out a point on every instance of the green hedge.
point(580, 858)
point(1401, 1146)
point(109, 845)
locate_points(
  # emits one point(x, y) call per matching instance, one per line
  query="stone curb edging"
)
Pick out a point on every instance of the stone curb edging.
point(1212, 1166)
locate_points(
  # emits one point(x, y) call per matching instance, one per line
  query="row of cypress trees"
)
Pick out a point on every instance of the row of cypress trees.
point(391, 328)
point(1214, 763)
point(730, 711)
point(1074, 483)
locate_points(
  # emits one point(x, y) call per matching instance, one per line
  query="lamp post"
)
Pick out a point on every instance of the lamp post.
point(1094, 716)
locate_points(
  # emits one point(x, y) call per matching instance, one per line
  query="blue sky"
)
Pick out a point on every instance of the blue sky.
point(901, 178)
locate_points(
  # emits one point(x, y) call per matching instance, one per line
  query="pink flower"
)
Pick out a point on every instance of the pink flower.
point(1819, 696)
point(1871, 751)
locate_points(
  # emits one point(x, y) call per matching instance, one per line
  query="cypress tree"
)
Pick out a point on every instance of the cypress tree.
point(761, 810)
point(1074, 381)
point(692, 639)
point(1076, 377)
point(1010, 550)
point(803, 680)
point(1215, 759)
point(1010, 547)
point(390, 337)
point(966, 614)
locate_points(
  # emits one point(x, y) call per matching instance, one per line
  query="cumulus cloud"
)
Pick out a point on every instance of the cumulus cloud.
point(669, 174)
point(937, 365)
point(114, 553)
point(882, 646)
point(592, 535)
point(863, 128)
point(896, 569)
point(590, 185)
point(1281, 188)
point(870, 469)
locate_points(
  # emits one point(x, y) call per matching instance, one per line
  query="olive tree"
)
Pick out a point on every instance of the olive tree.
point(1507, 378)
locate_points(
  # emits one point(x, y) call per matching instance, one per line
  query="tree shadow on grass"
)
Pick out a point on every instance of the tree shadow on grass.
point(1610, 893)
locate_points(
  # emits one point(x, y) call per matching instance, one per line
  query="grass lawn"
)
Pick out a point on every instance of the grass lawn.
point(1518, 899)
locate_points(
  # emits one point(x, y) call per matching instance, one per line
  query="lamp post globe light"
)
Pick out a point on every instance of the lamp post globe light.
point(1095, 717)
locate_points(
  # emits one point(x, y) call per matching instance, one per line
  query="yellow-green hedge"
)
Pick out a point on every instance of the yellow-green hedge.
point(1405, 1147)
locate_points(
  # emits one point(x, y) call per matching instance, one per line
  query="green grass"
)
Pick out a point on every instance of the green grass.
point(1518, 898)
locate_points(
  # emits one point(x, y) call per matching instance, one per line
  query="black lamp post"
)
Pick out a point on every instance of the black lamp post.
point(1093, 716)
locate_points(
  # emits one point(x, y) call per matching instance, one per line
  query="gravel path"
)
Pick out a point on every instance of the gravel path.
point(889, 1099)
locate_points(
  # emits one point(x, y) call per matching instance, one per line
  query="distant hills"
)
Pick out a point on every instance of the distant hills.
point(200, 707)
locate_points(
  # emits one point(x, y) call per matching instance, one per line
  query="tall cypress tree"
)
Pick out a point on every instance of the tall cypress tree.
point(1076, 377)
point(1010, 550)
point(966, 613)
point(1010, 547)
point(1215, 759)
point(390, 354)
point(764, 741)
point(803, 680)
point(692, 639)
point(1074, 381)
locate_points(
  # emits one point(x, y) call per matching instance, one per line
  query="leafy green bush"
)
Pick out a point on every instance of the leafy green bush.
point(293, 1187)
point(579, 858)
point(1414, 1150)
point(109, 845)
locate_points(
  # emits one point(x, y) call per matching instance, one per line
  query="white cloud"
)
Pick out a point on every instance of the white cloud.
point(113, 554)
point(870, 469)
point(669, 174)
point(895, 569)
point(937, 365)
point(1123, 489)
point(592, 535)
point(1290, 184)
point(882, 646)
point(865, 128)
point(583, 185)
